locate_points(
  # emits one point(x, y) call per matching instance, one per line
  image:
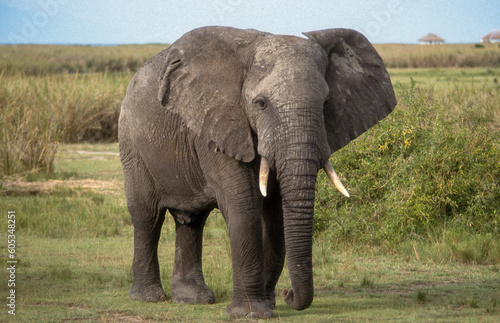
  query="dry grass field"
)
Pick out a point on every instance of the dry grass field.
point(440, 56)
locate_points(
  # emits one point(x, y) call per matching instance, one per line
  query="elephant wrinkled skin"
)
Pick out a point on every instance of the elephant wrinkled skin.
point(196, 123)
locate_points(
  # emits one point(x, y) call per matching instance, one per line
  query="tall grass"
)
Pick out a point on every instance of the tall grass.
point(28, 134)
point(433, 164)
point(439, 56)
point(52, 94)
point(54, 59)
point(37, 112)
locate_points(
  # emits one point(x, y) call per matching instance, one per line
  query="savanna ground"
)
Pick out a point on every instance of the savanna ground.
point(417, 241)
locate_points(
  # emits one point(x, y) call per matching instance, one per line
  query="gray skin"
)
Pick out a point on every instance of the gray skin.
point(195, 123)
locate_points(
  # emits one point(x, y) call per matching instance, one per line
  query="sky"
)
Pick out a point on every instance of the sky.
point(101, 22)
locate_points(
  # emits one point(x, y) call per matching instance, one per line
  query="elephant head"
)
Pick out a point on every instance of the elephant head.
point(287, 101)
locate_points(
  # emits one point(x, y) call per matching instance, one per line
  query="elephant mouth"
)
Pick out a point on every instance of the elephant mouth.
point(264, 176)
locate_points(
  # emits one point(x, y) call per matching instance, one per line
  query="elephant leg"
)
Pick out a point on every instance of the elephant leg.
point(274, 244)
point(245, 235)
point(146, 282)
point(147, 218)
point(188, 284)
point(235, 186)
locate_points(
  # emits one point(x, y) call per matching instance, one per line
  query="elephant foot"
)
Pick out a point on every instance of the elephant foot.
point(152, 293)
point(271, 300)
point(249, 309)
point(186, 293)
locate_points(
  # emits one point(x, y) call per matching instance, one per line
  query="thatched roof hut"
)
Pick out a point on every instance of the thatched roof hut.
point(431, 39)
point(491, 37)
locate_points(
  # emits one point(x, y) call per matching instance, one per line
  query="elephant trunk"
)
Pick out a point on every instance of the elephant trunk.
point(297, 189)
point(300, 149)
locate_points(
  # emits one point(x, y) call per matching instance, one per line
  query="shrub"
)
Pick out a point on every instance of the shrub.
point(427, 165)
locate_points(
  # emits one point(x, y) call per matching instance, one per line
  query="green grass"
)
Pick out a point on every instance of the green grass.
point(445, 79)
point(88, 279)
point(87, 160)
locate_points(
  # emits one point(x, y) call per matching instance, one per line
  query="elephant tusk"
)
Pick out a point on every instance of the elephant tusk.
point(263, 176)
point(335, 179)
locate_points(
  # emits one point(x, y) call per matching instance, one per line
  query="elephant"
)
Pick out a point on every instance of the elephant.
point(242, 121)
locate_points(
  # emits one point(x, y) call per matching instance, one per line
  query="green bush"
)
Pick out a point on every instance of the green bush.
point(426, 166)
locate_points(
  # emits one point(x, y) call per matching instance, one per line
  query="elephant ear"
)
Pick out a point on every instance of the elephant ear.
point(201, 82)
point(361, 92)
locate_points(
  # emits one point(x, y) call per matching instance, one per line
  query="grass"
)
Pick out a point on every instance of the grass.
point(417, 241)
point(39, 112)
point(446, 79)
point(54, 59)
point(86, 277)
point(439, 56)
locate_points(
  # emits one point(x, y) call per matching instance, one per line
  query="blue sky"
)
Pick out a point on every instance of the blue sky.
point(163, 21)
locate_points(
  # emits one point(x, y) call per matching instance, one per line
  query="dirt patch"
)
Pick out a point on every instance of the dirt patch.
point(11, 187)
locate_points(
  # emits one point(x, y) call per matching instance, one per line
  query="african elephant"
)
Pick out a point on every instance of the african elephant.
point(242, 121)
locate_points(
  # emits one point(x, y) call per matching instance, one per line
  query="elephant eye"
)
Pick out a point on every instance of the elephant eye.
point(261, 102)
